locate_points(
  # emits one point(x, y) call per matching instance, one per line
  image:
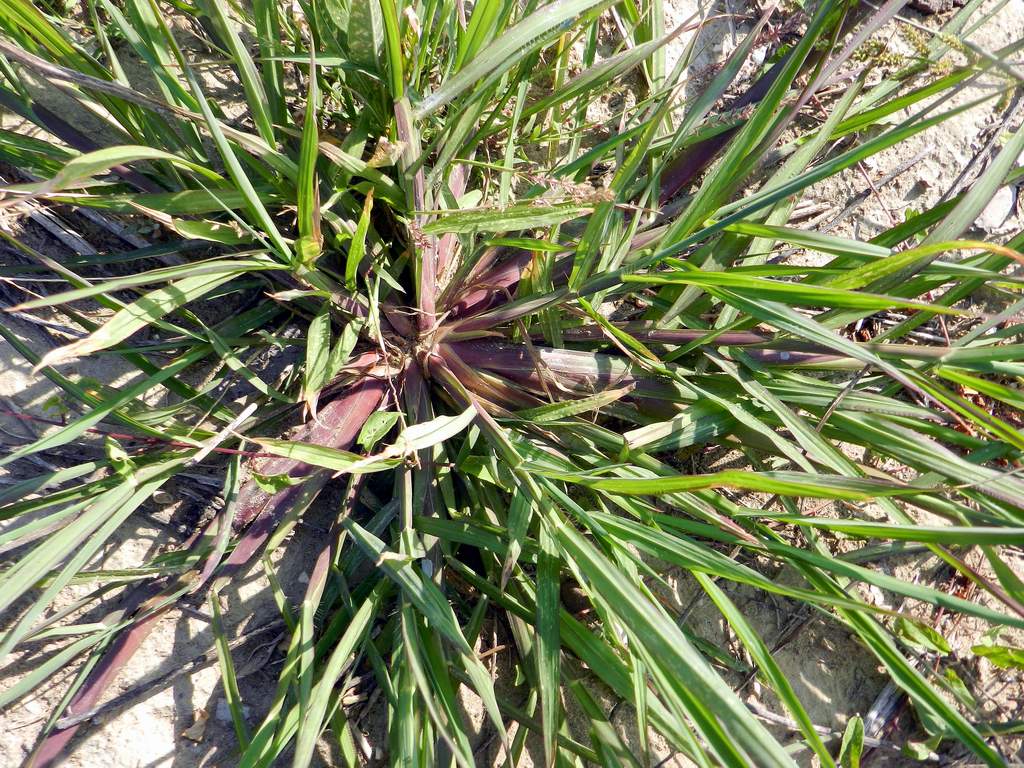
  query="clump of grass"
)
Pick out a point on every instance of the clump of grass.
point(459, 359)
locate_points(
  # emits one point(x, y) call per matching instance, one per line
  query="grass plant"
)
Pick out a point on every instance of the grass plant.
point(505, 363)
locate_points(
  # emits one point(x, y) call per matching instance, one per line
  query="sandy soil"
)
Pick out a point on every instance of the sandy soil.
point(834, 676)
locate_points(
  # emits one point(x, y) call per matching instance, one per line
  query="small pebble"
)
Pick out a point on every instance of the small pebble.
point(162, 497)
point(928, 7)
point(223, 711)
point(997, 212)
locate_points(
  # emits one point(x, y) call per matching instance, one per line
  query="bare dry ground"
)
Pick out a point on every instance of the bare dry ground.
point(833, 675)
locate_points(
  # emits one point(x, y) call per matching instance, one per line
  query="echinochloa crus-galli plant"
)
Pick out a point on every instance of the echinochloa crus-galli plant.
point(509, 329)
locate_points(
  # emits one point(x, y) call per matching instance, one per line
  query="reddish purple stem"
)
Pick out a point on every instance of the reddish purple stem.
point(494, 285)
point(336, 426)
point(583, 372)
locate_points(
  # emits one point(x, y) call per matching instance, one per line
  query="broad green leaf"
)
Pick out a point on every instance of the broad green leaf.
point(378, 425)
point(411, 440)
point(556, 411)
point(920, 635)
point(142, 312)
point(164, 274)
point(546, 643)
point(217, 232)
point(275, 483)
point(840, 246)
point(783, 483)
point(329, 458)
point(853, 744)
point(393, 48)
point(357, 248)
point(1002, 656)
point(310, 240)
point(416, 437)
point(102, 160)
point(317, 373)
point(512, 219)
point(229, 679)
point(798, 294)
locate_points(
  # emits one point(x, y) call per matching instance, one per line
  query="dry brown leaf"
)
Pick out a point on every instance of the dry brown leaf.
point(196, 731)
